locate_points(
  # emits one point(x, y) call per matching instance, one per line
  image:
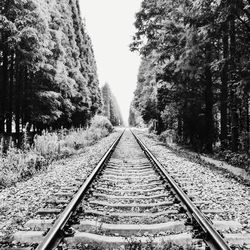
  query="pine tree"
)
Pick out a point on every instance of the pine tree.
point(110, 106)
point(199, 52)
point(48, 71)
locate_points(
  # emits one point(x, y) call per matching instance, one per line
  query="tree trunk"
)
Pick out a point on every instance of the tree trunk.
point(18, 95)
point(209, 110)
point(10, 97)
point(160, 124)
point(224, 88)
point(25, 116)
point(4, 6)
point(209, 102)
point(234, 114)
point(245, 121)
point(5, 86)
point(1, 97)
point(235, 129)
point(248, 124)
point(180, 127)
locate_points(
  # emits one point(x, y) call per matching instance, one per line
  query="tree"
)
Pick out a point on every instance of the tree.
point(106, 97)
point(48, 71)
point(200, 73)
point(110, 106)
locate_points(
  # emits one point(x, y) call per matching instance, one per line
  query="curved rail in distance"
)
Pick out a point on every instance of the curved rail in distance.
point(214, 239)
point(55, 234)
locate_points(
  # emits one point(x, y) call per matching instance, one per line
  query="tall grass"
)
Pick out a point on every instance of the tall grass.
point(17, 164)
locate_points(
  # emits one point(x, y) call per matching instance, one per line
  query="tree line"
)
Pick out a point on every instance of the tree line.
point(194, 77)
point(111, 108)
point(47, 66)
point(48, 75)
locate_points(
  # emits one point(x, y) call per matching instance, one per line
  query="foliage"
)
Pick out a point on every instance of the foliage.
point(18, 164)
point(47, 145)
point(145, 93)
point(135, 119)
point(47, 65)
point(101, 122)
point(235, 159)
point(111, 108)
point(168, 136)
point(195, 72)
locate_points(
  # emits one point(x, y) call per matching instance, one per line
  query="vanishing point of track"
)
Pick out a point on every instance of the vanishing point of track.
point(129, 193)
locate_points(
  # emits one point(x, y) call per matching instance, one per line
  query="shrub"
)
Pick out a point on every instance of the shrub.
point(168, 136)
point(75, 139)
point(101, 122)
point(19, 164)
point(151, 128)
point(240, 160)
point(47, 145)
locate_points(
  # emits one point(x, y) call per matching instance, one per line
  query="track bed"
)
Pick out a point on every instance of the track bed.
point(127, 201)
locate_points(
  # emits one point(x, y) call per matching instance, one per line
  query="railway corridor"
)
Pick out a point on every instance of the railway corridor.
point(131, 201)
point(130, 193)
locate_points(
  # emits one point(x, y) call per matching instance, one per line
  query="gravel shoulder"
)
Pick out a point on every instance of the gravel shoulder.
point(236, 172)
point(19, 203)
point(227, 198)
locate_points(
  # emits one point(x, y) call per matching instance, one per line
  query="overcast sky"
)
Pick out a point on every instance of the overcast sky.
point(110, 25)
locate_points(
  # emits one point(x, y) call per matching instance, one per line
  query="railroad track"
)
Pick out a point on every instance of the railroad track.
point(129, 199)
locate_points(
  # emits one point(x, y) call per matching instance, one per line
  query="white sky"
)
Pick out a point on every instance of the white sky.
point(110, 25)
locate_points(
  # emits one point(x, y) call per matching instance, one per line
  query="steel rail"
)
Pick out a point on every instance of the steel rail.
point(214, 239)
point(55, 234)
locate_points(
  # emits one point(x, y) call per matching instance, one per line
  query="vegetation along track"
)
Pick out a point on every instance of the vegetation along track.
point(128, 200)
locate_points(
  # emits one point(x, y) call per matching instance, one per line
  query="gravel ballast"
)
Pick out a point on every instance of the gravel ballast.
point(20, 203)
point(221, 197)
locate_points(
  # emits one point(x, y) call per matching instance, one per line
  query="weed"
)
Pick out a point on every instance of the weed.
point(18, 164)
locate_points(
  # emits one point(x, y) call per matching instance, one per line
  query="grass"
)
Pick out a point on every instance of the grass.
point(17, 164)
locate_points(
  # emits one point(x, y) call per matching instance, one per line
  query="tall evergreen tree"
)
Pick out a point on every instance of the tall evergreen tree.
point(48, 71)
point(110, 106)
point(199, 50)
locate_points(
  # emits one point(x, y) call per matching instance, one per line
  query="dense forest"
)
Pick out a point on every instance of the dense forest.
point(194, 78)
point(110, 106)
point(48, 75)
